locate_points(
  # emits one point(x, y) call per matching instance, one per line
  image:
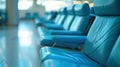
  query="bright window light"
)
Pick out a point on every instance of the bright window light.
point(38, 2)
point(3, 4)
point(53, 5)
point(24, 4)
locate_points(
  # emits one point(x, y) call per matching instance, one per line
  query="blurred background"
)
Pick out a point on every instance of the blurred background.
point(40, 6)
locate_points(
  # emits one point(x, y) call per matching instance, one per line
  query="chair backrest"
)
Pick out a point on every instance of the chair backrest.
point(82, 12)
point(46, 15)
point(70, 17)
point(51, 15)
point(92, 18)
point(104, 30)
point(114, 58)
point(92, 12)
point(28, 15)
point(57, 17)
point(35, 15)
point(63, 15)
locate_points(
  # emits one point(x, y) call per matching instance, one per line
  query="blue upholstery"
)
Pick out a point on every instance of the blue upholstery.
point(51, 15)
point(82, 9)
point(99, 42)
point(48, 15)
point(68, 57)
point(59, 19)
point(92, 12)
point(63, 63)
point(102, 35)
point(100, 7)
point(93, 16)
point(67, 21)
point(77, 27)
point(105, 29)
point(35, 15)
point(80, 22)
point(58, 24)
point(28, 15)
point(44, 33)
point(68, 41)
point(71, 9)
point(42, 21)
point(113, 60)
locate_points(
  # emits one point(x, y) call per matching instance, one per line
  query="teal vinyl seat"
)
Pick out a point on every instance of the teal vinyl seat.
point(113, 60)
point(59, 21)
point(71, 58)
point(49, 15)
point(28, 15)
point(78, 26)
point(100, 47)
point(60, 18)
point(61, 25)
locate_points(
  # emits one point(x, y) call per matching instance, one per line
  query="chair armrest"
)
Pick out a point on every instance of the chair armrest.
point(45, 36)
point(53, 27)
point(46, 40)
point(69, 39)
point(64, 32)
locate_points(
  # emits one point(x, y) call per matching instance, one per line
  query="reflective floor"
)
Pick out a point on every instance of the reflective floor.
point(19, 46)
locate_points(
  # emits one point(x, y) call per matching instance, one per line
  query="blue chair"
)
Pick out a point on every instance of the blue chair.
point(35, 15)
point(59, 19)
point(42, 21)
point(28, 15)
point(65, 24)
point(78, 26)
point(52, 15)
point(113, 60)
point(98, 45)
point(92, 15)
point(47, 16)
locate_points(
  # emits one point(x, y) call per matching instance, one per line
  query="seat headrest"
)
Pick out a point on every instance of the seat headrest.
point(92, 10)
point(63, 10)
point(70, 9)
point(107, 7)
point(82, 9)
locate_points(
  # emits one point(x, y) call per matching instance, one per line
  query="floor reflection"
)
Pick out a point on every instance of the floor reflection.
point(19, 46)
point(12, 50)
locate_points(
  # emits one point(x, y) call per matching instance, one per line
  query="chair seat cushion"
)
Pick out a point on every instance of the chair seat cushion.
point(53, 56)
point(58, 63)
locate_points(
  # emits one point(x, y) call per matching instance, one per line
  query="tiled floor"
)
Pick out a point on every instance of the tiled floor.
point(19, 46)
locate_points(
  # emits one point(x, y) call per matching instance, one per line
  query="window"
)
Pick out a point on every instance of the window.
point(25, 4)
point(55, 4)
point(3, 4)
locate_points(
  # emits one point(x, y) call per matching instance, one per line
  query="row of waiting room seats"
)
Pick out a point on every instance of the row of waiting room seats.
point(77, 38)
point(73, 20)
